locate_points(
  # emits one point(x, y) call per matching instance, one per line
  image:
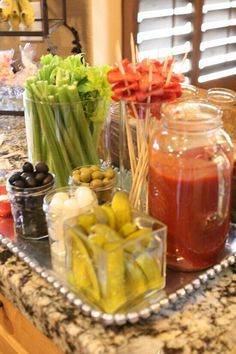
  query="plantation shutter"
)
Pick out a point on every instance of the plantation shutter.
point(164, 29)
point(217, 59)
point(205, 29)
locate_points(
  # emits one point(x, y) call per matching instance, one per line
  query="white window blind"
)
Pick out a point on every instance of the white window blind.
point(169, 27)
point(218, 40)
point(165, 29)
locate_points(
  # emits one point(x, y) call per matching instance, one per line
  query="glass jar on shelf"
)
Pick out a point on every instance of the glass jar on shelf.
point(190, 173)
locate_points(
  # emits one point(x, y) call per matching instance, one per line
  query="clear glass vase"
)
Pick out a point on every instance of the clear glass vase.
point(137, 122)
point(66, 135)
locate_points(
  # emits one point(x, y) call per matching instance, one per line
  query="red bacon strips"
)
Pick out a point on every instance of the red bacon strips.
point(135, 82)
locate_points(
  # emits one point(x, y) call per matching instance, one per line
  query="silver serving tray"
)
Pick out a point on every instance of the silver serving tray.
point(36, 254)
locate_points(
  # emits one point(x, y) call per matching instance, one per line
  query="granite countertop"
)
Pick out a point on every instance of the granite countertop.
point(202, 322)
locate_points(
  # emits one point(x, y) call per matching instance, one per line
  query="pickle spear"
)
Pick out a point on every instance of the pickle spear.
point(112, 280)
point(83, 275)
point(122, 209)
point(151, 270)
point(136, 281)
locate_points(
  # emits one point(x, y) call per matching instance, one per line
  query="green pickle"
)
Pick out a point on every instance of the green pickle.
point(151, 270)
point(110, 215)
point(113, 285)
point(83, 275)
point(136, 281)
point(122, 209)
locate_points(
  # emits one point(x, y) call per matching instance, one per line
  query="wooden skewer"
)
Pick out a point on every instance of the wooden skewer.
point(141, 172)
point(182, 62)
point(136, 175)
point(141, 182)
point(132, 46)
point(134, 60)
point(137, 53)
point(169, 75)
point(130, 148)
point(128, 130)
point(141, 178)
point(165, 64)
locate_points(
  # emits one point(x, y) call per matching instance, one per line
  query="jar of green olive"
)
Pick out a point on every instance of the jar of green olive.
point(102, 180)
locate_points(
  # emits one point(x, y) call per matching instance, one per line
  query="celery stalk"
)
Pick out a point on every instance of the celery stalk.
point(65, 115)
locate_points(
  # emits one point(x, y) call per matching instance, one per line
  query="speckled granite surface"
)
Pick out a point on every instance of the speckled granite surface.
point(204, 322)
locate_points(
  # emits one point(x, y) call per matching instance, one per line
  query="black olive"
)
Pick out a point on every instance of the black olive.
point(48, 179)
point(40, 177)
point(41, 167)
point(24, 175)
point(16, 176)
point(28, 167)
point(31, 182)
point(19, 183)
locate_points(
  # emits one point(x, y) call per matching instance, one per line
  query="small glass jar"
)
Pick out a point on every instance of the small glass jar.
point(55, 218)
point(27, 210)
point(225, 99)
point(189, 91)
point(105, 187)
point(190, 173)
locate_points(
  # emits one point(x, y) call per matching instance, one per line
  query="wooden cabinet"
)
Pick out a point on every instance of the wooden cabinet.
point(18, 335)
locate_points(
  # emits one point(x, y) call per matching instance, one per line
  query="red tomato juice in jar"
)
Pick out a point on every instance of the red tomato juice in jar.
point(189, 191)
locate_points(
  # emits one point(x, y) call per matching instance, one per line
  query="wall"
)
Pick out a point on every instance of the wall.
point(98, 23)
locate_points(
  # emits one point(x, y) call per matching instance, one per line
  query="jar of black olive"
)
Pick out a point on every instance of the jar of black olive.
point(27, 208)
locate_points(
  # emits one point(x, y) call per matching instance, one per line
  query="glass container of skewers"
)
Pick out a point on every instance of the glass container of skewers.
point(141, 88)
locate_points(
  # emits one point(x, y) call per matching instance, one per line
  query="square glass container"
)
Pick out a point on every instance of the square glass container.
point(115, 275)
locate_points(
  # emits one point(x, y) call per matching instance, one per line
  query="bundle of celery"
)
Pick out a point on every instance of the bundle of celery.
point(66, 106)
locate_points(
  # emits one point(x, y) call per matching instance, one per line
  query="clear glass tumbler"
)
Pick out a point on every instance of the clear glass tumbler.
point(66, 135)
point(137, 122)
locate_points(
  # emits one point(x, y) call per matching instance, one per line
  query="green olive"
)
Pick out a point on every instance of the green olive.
point(94, 168)
point(109, 173)
point(84, 170)
point(97, 175)
point(85, 176)
point(76, 172)
point(107, 181)
point(76, 178)
point(96, 183)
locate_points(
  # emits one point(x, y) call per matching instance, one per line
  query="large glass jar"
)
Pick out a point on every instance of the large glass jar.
point(190, 173)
